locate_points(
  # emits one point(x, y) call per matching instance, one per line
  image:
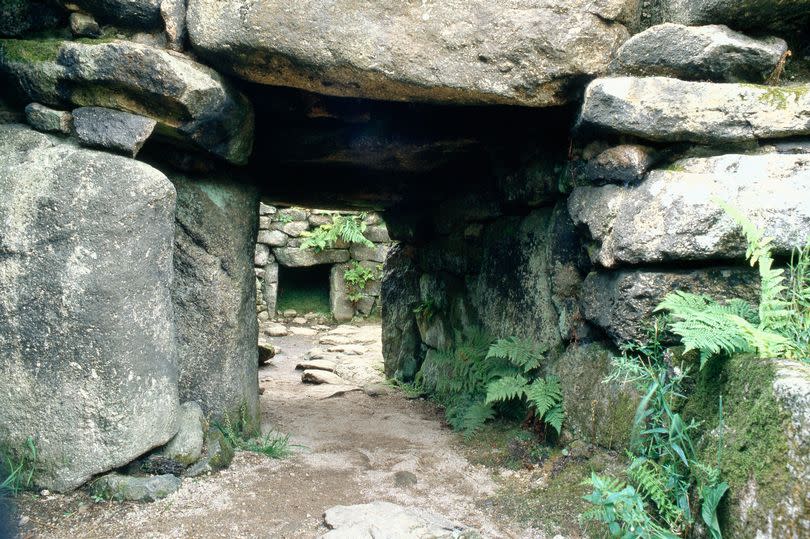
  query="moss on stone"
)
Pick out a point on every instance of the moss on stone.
point(30, 50)
point(779, 96)
point(752, 444)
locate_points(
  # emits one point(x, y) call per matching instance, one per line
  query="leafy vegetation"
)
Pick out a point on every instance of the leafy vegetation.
point(356, 278)
point(666, 485)
point(426, 309)
point(348, 228)
point(18, 468)
point(780, 327)
point(479, 379)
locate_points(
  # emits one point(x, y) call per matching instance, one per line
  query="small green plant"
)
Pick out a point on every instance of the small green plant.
point(666, 484)
point(478, 379)
point(778, 328)
point(242, 437)
point(356, 278)
point(18, 468)
point(284, 218)
point(349, 228)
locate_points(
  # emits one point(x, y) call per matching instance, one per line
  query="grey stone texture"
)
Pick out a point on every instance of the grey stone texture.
point(214, 296)
point(623, 302)
point(48, 120)
point(218, 454)
point(339, 304)
point(399, 296)
point(674, 215)
point(775, 15)
point(126, 13)
point(455, 51)
point(190, 101)
point(113, 130)
point(124, 488)
point(295, 257)
point(366, 520)
point(88, 362)
point(626, 163)
point(187, 445)
point(714, 53)
point(20, 16)
point(669, 110)
point(84, 25)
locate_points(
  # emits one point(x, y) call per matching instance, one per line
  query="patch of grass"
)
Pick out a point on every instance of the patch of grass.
point(237, 433)
point(18, 468)
point(503, 444)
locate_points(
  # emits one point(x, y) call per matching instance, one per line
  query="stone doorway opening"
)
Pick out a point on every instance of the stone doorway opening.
point(303, 289)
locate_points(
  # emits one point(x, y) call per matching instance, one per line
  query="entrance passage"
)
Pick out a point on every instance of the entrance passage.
point(304, 289)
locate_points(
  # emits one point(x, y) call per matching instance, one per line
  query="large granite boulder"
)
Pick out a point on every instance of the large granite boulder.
point(88, 364)
point(214, 295)
point(671, 110)
point(512, 291)
point(714, 53)
point(191, 102)
point(623, 302)
point(454, 51)
point(777, 15)
point(673, 214)
point(399, 296)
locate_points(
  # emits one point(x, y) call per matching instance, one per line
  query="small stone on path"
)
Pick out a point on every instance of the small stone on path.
point(317, 364)
point(277, 330)
point(389, 520)
point(313, 376)
point(307, 332)
point(376, 390)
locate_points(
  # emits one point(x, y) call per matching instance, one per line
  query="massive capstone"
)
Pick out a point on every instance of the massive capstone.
point(214, 293)
point(460, 51)
point(87, 355)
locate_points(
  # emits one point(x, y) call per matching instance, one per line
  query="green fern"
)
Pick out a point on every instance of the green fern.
point(349, 228)
point(506, 388)
point(520, 352)
point(714, 328)
point(651, 482)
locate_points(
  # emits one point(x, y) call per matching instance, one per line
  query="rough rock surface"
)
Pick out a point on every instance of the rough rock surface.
point(20, 16)
point(594, 411)
point(622, 302)
point(385, 519)
point(512, 293)
point(83, 25)
point(775, 15)
point(127, 13)
point(670, 110)
point(295, 257)
point(189, 100)
point(626, 163)
point(459, 51)
point(46, 119)
point(399, 296)
point(122, 488)
point(187, 445)
point(340, 305)
point(218, 454)
point(318, 376)
point(714, 53)
point(87, 352)
point(673, 214)
point(215, 296)
point(112, 130)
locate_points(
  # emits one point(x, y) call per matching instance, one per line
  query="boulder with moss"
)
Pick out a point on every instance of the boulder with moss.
point(761, 440)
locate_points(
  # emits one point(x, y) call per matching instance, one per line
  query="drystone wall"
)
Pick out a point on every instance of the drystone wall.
point(548, 168)
point(282, 231)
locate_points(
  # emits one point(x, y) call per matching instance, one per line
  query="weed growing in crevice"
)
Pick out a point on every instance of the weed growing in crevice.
point(348, 228)
point(666, 488)
point(241, 437)
point(357, 278)
point(18, 468)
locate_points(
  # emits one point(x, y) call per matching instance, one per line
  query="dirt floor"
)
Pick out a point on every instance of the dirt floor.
point(349, 448)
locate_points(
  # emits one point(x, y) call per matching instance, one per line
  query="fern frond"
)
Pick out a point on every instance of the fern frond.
point(521, 352)
point(544, 394)
point(470, 418)
point(555, 417)
point(506, 388)
point(651, 482)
